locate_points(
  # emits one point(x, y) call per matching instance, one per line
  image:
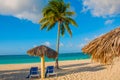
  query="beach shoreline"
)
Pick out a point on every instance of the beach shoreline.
point(28, 65)
point(70, 70)
point(26, 59)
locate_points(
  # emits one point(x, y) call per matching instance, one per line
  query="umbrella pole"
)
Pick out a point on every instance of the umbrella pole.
point(42, 67)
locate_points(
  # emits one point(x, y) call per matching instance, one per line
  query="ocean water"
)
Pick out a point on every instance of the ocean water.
point(20, 59)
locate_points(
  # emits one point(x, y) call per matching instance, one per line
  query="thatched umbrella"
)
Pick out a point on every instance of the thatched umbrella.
point(42, 51)
point(104, 48)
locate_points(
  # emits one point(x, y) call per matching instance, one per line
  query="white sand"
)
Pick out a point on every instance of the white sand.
point(70, 70)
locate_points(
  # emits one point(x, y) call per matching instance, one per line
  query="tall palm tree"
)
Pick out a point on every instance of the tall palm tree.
point(57, 12)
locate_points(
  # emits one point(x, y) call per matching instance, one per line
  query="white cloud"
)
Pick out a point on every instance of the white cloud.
point(23, 9)
point(34, 45)
point(61, 45)
point(109, 22)
point(47, 43)
point(102, 8)
point(96, 36)
point(81, 45)
point(101, 34)
point(86, 39)
point(70, 45)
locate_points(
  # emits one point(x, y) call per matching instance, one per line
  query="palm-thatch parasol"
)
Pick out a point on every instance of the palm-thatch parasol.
point(104, 48)
point(42, 51)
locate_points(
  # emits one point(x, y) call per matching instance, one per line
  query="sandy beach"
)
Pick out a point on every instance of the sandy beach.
point(70, 70)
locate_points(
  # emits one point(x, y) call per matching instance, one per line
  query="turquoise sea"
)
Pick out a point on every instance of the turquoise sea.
point(20, 59)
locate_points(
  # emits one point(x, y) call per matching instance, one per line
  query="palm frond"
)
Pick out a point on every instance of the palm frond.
point(46, 10)
point(65, 7)
point(70, 20)
point(51, 26)
point(43, 20)
point(62, 29)
point(54, 4)
point(68, 5)
point(68, 28)
point(69, 13)
point(57, 11)
point(44, 25)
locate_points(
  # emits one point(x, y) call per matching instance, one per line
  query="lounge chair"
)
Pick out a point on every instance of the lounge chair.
point(33, 72)
point(50, 71)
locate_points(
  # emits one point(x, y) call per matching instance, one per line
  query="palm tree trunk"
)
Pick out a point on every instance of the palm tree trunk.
point(57, 45)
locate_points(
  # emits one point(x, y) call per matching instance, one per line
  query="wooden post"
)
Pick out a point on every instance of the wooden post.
point(42, 68)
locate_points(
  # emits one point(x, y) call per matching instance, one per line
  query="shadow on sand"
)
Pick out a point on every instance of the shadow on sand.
point(22, 74)
point(81, 69)
point(14, 74)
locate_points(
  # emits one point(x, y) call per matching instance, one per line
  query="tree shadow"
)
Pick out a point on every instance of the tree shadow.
point(81, 69)
point(74, 65)
point(14, 74)
point(23, 73)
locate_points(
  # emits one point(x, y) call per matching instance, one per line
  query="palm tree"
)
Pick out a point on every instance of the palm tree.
point(56, 12)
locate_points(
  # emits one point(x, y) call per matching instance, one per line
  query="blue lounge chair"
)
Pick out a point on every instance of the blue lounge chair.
point(33, 72)
point(50, 71)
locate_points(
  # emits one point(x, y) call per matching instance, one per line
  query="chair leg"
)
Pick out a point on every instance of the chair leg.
point(30, 78)
point(56, 75)
point(47, 75)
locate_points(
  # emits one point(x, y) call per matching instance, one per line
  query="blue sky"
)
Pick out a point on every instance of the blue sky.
point(20, 31)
